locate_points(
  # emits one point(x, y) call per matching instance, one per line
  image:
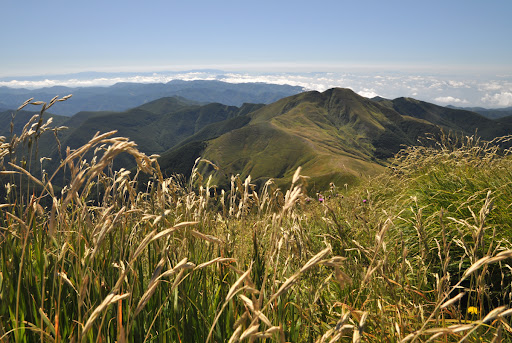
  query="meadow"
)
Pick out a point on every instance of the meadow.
point(418, 253)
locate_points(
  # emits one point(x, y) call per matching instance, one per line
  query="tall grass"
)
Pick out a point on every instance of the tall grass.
point(419, 253)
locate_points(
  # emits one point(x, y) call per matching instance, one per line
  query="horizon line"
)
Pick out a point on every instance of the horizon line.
point(275, 67)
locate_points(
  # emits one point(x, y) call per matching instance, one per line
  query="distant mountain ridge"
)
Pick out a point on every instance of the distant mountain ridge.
point(123, 96)
point(458, 120)
point(336, 135)
point(493, 113)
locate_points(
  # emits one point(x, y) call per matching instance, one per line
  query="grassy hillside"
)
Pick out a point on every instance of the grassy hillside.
point(420, 252)
point(336, 134)
point(167, 105)
point(332, 135)
point(21, 118)
point(506, 120)
point(159, 125)
point(155, 127)
point(457, 120)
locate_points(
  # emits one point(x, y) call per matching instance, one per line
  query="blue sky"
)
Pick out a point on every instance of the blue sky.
point(455, 52)
point(53, 36)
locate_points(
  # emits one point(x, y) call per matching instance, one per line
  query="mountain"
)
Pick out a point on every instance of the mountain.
point(123, 96)
point(156, 126)
point(335, 136)
point(21, 118)
point(505, 120)
point(450, 119)
point(492, 113)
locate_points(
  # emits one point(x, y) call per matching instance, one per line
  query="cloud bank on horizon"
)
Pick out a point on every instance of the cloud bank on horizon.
point(490, 92)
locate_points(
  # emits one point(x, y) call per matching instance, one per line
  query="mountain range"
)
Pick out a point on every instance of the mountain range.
point(335, 136)
point(123, 96)
point(493, 113)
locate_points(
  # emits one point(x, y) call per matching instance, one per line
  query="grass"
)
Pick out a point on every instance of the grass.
point(419, 253)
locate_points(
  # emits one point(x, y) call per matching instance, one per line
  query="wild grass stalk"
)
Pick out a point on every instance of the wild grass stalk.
point(420, 253)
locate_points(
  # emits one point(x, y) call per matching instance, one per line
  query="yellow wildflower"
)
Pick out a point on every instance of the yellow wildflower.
point(472, 310)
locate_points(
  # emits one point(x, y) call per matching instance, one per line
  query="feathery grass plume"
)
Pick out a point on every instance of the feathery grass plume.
point(431, 241)
point(110, 299)
point(452, 300)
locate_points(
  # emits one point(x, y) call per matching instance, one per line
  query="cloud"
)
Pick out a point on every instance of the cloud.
point(436, 85)
point(106, 81)
point(367, 93)
point(279, 79)
point(457, 84)
point(442, 89)
point(450, 100)
point(490, 86)
point(502, 99)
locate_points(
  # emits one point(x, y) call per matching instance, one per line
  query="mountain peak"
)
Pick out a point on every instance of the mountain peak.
point(343, 92)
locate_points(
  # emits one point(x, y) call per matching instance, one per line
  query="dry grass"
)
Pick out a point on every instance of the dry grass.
point(401, 258)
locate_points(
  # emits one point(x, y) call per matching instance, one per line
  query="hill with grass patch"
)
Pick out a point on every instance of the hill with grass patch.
point(335, 136)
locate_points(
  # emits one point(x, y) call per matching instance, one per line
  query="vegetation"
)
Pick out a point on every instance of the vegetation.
point(335, 136)
point(418, 253)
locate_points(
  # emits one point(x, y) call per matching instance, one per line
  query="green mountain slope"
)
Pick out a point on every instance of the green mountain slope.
point(156, 126)
point(21, 118)
point(506, 120)
point(168, 104)
point(336, 135)
point(457, 120)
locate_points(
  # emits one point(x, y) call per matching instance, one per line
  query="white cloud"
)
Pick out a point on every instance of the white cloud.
point(450, 100)
point(436, 85)
point(468, 91)
point(28, 84)
point(457, 84)
point(368, 93)
point(106, 81)
point(503, 99)
point(490, 86)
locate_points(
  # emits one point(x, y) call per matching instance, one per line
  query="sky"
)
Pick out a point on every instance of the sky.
point(458, 41)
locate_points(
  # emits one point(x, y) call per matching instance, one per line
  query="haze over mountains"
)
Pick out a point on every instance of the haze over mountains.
point(493, 113)
point(442, 87)
point(122, 96)
point(336, 135)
